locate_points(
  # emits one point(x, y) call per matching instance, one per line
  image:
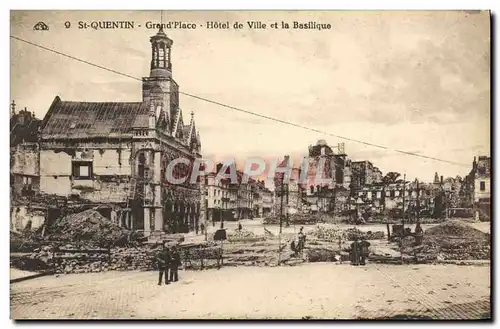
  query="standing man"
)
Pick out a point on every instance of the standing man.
point(364, 251)
point(164, 261)
point(202, 227)
point(18, 221)
point(302, 239)
point(419, 234)
point(174, 265)
point(355, 252)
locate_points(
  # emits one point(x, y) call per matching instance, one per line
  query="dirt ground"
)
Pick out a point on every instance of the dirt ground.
point(320, 290)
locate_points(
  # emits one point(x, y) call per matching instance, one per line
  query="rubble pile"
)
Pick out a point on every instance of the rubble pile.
point(352, 233)
point(305, 219)
point(39, 261)
point(457, 229)
point(90, 228)
point(71, 259)
point(322, 255)
point(130, 259)
point(333, 233)
point(239, 234)
point(24, 242)
point(299, 219)
point(453, 240)
point(327, 232)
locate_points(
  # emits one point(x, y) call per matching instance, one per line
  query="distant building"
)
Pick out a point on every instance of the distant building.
point(267, 198)
point(315, 191)
point(236, 200)
point(362, 173)
point(288, 196)
point(220, 198)
point(377, 175)
point(24, 153)
point(476, 188)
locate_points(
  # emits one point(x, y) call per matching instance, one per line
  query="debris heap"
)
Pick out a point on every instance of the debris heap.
point(89, 228)
point(327, 232)
point(333, 233)
point(454, 240)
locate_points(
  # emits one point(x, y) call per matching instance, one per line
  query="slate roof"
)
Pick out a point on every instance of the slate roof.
point(93, 119)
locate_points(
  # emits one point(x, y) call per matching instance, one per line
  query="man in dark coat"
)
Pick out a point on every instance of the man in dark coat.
point(355, 252)
point(174, 265)
point(419, 234)
point(364, 251)
point(302, 239)
point(164, 260)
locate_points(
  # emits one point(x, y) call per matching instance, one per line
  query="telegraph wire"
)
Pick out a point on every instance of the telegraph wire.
point(242, 110)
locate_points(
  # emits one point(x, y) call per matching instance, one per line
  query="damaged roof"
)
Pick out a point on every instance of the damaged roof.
point(23, 131)
point(93, 119)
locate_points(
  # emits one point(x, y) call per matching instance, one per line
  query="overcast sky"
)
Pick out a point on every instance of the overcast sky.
point(412, 81)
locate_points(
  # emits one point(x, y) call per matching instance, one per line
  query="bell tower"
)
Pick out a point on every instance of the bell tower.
point(159, 88)
point(161, 47)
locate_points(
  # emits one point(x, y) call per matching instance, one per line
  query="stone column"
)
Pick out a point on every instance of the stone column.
point(157, 197)
point(147, 223)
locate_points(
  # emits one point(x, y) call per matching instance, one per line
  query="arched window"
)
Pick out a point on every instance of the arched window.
point(312, 189)
point(161, 57)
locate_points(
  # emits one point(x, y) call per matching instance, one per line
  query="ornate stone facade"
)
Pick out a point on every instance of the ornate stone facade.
point(119, 153)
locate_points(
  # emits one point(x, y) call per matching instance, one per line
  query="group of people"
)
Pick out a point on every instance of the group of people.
point(200, 227)
point(169, 262)
point(359, 252)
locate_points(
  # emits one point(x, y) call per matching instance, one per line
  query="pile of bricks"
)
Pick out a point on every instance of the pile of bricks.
point(130, 259)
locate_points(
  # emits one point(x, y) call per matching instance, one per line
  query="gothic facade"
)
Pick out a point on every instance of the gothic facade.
point(117, 153)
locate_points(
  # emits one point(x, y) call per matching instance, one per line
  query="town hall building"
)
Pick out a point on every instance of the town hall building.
point(116, 153)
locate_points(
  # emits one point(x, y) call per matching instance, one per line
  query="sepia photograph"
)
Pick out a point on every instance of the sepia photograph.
point(250, 165)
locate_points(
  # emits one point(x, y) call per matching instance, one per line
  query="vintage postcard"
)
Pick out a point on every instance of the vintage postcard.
point(250, 165)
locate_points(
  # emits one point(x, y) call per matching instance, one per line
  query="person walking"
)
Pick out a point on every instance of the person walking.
point(174, 265)
point(164, 261)
point(202, 228)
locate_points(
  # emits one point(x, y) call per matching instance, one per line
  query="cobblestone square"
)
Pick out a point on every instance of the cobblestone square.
point(326, 291)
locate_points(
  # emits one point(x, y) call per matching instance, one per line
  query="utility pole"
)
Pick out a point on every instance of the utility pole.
point(287, 210)
point(404, 191)
point(281, 207)
point(418, 201)
point(334, 199)
point(206, 218)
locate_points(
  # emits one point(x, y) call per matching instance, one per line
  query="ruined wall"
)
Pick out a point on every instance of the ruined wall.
point(110, 181)
point(113, 191)
point(55, 172)
point(26, 213)
point(112, 162)
point(478, 194)
point(24, 160)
